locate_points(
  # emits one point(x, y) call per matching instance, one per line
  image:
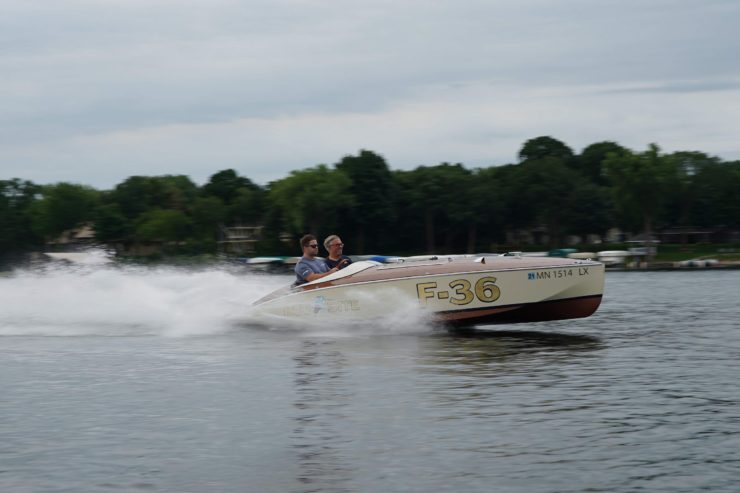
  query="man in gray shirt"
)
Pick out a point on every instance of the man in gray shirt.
point(309, 268)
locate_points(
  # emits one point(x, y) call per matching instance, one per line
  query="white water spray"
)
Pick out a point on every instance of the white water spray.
point(136, 301)
point(127, 301)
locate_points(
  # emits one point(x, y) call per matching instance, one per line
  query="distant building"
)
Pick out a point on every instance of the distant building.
point(239, 240)
point(76, 246)
point(81, 236)
point(615, 235)
point(532, 236)
point(138, 249)
point(643, 239)
point(697, 235)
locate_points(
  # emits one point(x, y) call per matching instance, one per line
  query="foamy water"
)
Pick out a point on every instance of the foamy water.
point(127, 301)
point(121, 301)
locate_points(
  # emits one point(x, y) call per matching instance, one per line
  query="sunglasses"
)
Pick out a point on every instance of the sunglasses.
point(313, 246)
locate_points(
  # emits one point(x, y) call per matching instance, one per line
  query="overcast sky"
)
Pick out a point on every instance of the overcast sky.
point(94, 91)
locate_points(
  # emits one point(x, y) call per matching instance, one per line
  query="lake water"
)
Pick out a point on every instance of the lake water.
point(140, 380)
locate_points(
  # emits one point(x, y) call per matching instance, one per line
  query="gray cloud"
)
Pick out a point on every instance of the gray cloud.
point(84, 81)
point(681, 86)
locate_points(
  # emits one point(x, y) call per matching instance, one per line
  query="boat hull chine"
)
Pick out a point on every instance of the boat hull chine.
point(524, 313)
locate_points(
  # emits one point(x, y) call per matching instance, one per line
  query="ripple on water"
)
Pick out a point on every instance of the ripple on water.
point(640, 397)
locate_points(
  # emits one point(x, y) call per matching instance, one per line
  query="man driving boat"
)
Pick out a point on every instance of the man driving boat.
point(309, 268)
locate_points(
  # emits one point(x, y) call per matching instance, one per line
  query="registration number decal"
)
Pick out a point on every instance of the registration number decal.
point(460, 291)
point(557, 273)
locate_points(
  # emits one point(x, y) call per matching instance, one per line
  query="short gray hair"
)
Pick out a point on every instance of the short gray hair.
point(329, 239)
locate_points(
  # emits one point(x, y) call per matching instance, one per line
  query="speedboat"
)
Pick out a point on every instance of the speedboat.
point(458, 290)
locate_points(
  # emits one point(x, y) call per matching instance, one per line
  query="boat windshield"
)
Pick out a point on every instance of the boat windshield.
point(351, 269)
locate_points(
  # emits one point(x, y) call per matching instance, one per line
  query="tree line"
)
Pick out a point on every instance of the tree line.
point(439, 208)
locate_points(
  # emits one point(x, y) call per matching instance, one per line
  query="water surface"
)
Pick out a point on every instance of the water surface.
point(154, 380)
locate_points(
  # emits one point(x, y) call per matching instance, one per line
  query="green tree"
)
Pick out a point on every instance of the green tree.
point(373, 191)
point(589, 208)
point(163, 225)
point(517, 211)
point(63, 206)
point(110, 224)
point(682, 192)
point(641, 184)
point(435, 196)
point(487, 208)
point(244, 200)
point(227, 185)
point(248, 206)
point(549, 187)
point(548, 193)
point(139, 194)
point(134, 196)
point(134, 208)
point(461, 213)
point(715, 194)
point(208, 215)
point(310, 199)
point(16, 199)
point(545, 147)
point(590, 163)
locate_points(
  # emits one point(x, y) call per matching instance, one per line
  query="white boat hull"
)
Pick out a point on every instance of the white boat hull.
point(461, 291)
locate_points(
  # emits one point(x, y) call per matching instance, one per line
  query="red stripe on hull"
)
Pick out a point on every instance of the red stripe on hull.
point(532, 312)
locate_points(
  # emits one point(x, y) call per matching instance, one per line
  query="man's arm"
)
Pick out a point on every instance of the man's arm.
point(313, 276)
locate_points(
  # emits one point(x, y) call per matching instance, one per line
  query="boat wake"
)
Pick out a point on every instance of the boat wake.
point(172, 302)
point(126, 301)
point(402, 317)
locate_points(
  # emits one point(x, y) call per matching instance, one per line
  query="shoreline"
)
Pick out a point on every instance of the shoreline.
point(671, 266)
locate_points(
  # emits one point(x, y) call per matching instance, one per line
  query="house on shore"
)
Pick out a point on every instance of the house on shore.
point(239, 240)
